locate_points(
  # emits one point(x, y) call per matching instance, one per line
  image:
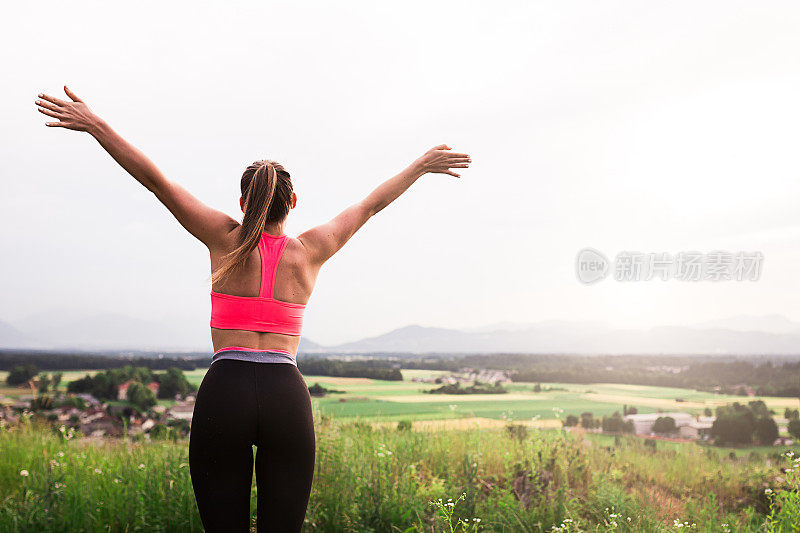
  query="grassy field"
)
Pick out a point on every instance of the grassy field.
point(395, 400)
point(373, 477)
point(388, 401)
point(387, 480)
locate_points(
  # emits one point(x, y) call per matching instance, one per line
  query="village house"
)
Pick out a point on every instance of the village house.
point(64, 413)
point(96, 422)
point(487, 376)
point(699, 429)
point(183, 410)
point(468, 376)
point(122, 390)
point(643, 423)
point(88, 398)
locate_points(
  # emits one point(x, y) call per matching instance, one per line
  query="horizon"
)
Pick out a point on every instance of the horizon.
point(742, 335)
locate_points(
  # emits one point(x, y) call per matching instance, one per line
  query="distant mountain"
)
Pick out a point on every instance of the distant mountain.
point(519, 326)
point(65, 329)
point(307, 346)
point(765, 323)
point(552, 336)
point(11, 336)
point(580, 338)
point(70, 330)
point(767, 335)
point(412, 339)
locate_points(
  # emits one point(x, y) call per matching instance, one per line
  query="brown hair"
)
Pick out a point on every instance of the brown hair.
point(267, 192)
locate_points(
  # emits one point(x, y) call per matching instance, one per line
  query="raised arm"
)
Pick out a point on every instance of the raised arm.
point(323, 241)
point(208, 225)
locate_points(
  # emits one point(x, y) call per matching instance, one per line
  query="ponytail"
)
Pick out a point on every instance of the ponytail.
point(258, 199)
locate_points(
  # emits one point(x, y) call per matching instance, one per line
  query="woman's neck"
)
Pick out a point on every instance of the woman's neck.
point(275, 229)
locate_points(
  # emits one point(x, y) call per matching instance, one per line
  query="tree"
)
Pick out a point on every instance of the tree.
point(140, 396)
point(735, 424)
point(21, 374)
point(44, 382)
point(740, 424)
point(587, 420)
point(794, 428)
point(55, 378)
point(404, 425)
point(103, 386)
point(317, 390)
point(708, 412)
point(759, 408)
point(664, 424)
point(766, 431)
point(571, 421)
point(791, 414)
point(537, 387)
point(173, 382)
point(614, 423)
point(81, 385)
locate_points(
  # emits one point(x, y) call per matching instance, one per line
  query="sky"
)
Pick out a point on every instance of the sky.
point(647, 126)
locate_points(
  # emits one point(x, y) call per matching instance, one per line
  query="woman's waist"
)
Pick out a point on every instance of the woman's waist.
point(254, 341)
point(254, 356)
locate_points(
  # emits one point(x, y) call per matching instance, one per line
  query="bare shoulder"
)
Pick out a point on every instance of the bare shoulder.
point(297, 268)
point(227, 239)
point(296, 252)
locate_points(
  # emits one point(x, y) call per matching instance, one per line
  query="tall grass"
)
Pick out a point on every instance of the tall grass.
point(390, 480)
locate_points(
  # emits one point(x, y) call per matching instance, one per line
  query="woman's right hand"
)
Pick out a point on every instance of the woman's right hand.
point(74, 115)
point(440, 160)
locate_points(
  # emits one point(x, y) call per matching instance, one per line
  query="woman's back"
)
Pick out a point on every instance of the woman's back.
point(294, 278)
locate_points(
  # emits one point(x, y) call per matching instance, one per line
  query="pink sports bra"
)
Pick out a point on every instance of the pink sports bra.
point(263, 312)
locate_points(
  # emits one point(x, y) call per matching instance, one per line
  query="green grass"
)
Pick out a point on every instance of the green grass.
point(383, 480)
point(533, 483)
point(723, 452)
point(361, 400)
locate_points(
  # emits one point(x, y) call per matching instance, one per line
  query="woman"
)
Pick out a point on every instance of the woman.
point(261, 281)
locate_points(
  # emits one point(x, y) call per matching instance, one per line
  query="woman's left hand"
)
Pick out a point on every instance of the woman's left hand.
point(74, 115)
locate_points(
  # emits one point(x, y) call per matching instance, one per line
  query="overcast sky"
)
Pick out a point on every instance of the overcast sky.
point(648, 126)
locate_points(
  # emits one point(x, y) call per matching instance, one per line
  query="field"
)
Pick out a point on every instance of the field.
point(501, 458)
point(382, 401)
point(386, 480)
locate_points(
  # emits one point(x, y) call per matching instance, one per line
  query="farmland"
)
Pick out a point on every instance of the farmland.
point(504, 459)
point(393, 400)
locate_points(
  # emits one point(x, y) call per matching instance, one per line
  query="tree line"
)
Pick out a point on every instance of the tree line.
point(56, 360)
point(727, 375)
point(104, 385)
point(52, 360)
point(374, 369)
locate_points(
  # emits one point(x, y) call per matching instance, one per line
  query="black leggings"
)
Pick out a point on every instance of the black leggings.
point(240, 404)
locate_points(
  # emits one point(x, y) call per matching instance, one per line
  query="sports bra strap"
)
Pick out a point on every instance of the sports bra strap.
point(271, 249)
